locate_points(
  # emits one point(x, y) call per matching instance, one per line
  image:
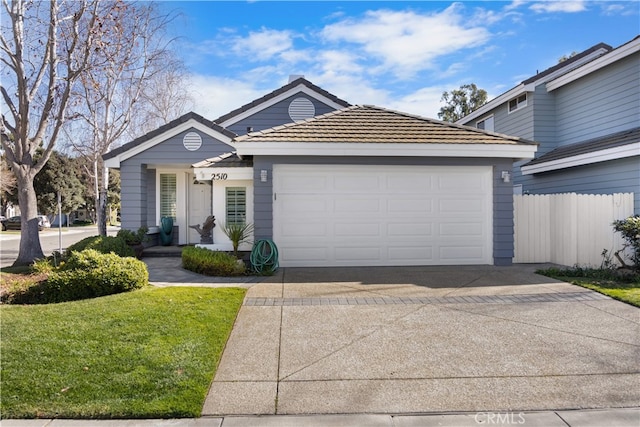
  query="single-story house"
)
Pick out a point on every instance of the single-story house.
point(330, 183)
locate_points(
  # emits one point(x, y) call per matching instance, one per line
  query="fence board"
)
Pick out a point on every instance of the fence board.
point(568, 229)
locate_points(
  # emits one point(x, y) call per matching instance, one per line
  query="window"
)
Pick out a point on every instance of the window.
point(486, 124)
point(236, 205)
point(518, 102)
point(168, 195)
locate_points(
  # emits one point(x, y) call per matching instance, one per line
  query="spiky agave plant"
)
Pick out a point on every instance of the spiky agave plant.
point(238, 234)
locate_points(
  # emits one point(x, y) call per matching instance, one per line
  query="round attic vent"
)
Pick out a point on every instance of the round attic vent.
point(301, 109)
point(192, 141)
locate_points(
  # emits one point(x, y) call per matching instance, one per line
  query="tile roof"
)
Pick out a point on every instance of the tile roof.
point(371, 124)
point(610, 141)
point(164, 128)
point(279, 91)
point(227, 160)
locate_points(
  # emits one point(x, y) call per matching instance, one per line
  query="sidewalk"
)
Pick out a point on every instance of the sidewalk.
point(587, 418)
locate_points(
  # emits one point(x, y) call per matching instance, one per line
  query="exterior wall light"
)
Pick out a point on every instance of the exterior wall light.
point(263, 175)
point(506, 176)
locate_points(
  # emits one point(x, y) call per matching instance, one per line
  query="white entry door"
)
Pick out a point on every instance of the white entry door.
point(199, 207)
point(355, 215)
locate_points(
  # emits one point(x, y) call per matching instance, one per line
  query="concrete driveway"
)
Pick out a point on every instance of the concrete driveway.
point(426, 339)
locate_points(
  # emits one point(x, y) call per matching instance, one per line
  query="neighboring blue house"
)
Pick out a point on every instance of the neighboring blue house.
point(332, 184)
point(585, 114)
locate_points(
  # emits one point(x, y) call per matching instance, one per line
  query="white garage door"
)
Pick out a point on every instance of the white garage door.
point(346, 215)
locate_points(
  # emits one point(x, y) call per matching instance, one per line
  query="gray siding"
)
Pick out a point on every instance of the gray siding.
point(503, 248)
point(275, 115)
point(138, 188)
point(616, 176)
point(601, 103)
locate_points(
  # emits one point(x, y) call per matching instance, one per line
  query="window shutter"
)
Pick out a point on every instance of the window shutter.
point(236, 205)
point(168, 195)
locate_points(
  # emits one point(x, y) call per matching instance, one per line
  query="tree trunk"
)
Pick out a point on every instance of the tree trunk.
point(30, 248)
point(102, 213)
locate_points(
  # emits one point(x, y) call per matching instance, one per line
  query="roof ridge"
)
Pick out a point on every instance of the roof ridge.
point(276, 92)
point(166, 127)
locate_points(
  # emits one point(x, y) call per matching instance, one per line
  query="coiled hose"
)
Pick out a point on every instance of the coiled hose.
point(264, 257)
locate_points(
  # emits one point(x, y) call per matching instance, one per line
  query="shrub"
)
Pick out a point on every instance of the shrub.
point(103, 244)
point(211, 263)
point(88, 274)
point(630, 230)
point(133, 238)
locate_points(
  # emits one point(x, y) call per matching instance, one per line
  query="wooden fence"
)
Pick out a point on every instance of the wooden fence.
point(568, 229)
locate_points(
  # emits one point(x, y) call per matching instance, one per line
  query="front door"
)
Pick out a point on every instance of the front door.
point(199, 207)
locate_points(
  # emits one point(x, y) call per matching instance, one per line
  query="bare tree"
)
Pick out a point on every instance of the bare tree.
point(113, 91)
point(165, 97)
point(44, 49)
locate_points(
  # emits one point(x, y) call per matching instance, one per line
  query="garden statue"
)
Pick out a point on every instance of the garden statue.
point(206, 230)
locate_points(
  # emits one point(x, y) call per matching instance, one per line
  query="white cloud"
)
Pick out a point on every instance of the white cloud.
point(405, 42)
point(424, 102)
point(559, 6)
point(262, 45)
point(215, 96)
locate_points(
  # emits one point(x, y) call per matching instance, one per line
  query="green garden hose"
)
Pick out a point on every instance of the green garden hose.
point(264, 256)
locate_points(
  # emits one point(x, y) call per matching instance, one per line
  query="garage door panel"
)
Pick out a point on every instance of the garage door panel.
point(299, 254)
point(397, 206)
point(462, 253)
point(407, 183)
point(462, 181)
point(350, 230)
point(403, 230)
point(411, 254)
point(470, 229)
point(304, 229)
point(304, 204)
point(383, 215)
point(304, 184)
point(350, 183)
point(356, 205)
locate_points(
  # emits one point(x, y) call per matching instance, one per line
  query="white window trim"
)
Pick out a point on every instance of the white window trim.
point(518, 105)
point(484, 120)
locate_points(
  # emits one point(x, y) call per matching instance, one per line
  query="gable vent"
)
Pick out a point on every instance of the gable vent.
point(301, 109)
point(192, 141)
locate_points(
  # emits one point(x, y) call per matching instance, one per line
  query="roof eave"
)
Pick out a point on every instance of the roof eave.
point(519, 151)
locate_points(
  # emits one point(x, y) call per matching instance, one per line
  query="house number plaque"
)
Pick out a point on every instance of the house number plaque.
point(219, 177)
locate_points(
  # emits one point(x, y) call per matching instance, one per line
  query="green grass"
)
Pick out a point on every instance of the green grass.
point(624, 288)
point(145, 354)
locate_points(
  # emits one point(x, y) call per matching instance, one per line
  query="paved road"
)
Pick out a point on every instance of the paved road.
point(49, 240)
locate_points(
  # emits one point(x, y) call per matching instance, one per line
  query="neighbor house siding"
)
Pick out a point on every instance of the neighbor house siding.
point(616, 176)
point(502, 192)
point(601, 103)
point(275, 115)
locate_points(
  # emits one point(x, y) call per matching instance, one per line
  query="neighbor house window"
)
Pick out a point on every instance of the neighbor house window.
point(168, 195)
point(518, 102)
point(236, 205)
point(486, 124)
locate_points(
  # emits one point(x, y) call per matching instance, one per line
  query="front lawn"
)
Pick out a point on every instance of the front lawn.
point(149, 353)
point(621, 287)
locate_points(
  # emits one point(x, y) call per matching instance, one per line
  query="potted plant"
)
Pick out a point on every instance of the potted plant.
point(134, 239)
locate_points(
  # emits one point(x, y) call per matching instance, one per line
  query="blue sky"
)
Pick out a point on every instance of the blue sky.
point(395, 54)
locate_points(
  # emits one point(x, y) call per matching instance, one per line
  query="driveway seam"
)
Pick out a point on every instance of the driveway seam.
point(275, 403)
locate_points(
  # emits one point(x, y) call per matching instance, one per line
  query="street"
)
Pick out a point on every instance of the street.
point(49, 239)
